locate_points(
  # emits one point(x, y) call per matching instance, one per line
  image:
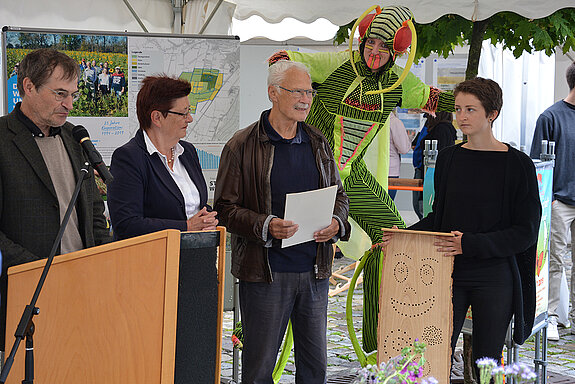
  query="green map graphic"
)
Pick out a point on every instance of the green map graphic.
point(206, 83)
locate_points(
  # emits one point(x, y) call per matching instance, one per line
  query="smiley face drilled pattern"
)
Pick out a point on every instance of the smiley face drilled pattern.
point(414, 300)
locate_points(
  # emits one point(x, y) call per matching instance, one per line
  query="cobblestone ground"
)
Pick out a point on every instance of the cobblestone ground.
point(342, 360)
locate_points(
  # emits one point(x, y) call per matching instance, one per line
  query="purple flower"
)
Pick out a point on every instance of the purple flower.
point(484, 361)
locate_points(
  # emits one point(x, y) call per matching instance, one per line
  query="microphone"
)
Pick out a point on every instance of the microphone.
point(81, 135)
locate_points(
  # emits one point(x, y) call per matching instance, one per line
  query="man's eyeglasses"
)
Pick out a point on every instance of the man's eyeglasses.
point(63, 95)
point(299, 93)
point(184, 115)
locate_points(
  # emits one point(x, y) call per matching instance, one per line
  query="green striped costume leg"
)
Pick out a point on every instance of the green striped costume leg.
point(372, 208)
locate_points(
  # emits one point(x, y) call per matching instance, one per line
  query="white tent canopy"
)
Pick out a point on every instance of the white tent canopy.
point(341, 12)
point(158, 15)
point(103, 15)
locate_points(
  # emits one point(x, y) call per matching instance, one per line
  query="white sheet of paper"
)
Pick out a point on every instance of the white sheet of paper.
point(311, 210)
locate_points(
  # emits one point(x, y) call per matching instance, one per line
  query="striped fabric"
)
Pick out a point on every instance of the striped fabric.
point(320, 118)
point(371, 279)
point(369, 204)
point(372, 208)
point(353, 133)
point(385, 24)
point(360, 111)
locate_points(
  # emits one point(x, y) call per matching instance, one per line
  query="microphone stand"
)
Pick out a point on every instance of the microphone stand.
point(25, 327)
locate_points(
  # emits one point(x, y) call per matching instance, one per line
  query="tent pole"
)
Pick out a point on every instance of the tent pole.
point(135, 16)
point(177, 6)
point(211, 16)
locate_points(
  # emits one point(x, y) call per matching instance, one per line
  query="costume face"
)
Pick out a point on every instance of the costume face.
point(174, 126)
point(40, 104)
point(471, 116)
point(375, 53)
point(291, 105)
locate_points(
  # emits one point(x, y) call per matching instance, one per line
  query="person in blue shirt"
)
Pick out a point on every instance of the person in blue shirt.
point(556, 124)
point(117, 83)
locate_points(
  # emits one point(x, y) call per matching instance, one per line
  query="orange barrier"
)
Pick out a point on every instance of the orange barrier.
point(402, 188)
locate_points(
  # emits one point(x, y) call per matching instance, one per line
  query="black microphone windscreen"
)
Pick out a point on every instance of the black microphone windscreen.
point(79, 133)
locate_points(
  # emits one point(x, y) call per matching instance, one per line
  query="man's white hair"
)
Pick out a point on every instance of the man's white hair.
point(277, 71)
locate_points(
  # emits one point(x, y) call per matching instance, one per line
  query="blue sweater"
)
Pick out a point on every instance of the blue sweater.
point(557, 123)
point(294, 170)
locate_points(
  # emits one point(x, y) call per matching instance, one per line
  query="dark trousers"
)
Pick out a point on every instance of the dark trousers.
point(266, 309)
point(492, 308)
point(392, 192)
point(417, 196)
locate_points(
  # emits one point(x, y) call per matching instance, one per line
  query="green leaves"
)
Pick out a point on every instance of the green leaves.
point(343, 32)
point(513, 31)
point(442, 35)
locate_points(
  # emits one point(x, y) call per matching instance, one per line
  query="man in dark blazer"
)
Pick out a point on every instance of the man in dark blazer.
point(39, 164)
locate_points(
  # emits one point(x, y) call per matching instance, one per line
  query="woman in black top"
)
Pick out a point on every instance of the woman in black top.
point(486, 194)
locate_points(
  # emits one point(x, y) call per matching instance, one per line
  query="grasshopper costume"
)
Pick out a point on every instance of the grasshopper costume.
point(351, 115)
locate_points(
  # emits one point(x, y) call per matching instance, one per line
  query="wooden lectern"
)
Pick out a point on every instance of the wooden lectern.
point(415, 301)
point(143, 310)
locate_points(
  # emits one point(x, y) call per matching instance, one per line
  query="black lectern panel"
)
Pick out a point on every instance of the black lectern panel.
point(196, 332)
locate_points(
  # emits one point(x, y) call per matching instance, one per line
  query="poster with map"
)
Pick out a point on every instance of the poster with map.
point(212, 67)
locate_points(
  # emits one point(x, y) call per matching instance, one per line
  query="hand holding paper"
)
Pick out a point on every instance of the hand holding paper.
point(312, 211)
point(328, 232)
point(282, 229)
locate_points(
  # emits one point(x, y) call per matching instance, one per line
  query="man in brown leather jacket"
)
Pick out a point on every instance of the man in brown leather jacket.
point(276, 155)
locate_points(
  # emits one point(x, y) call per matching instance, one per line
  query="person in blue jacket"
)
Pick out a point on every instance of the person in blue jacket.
point(438, 128)
point(117, 83)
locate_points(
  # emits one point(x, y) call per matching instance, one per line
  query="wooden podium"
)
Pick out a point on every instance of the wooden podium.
point(415, 300)
point(143, 310)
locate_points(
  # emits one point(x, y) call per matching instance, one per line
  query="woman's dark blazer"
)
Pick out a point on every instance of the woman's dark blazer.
point(143, 197)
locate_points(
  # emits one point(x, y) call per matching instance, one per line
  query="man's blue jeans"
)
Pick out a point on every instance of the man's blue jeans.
point(266, 309)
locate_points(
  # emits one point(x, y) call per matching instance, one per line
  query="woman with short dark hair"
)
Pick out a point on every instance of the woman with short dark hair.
point(158, 182)
point(486, 194)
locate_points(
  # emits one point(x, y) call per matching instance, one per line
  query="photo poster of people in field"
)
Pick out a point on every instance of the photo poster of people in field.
point(102, 68)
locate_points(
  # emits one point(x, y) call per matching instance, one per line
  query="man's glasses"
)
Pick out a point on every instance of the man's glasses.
point(63, 95)
point(184, 115)
point(299, 93)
